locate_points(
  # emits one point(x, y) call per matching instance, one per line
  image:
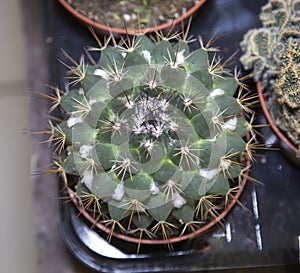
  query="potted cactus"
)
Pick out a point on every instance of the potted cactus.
point(152, 143)
point(131, 16)
point(272, 52)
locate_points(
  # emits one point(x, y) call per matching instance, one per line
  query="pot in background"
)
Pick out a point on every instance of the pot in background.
point(102, 28)
point(287, 147)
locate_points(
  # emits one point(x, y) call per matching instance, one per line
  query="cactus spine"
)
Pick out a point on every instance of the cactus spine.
point(153, 136)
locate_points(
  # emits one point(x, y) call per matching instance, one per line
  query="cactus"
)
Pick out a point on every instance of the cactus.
point(152, 136)
point(272, 52)
point(288, 94)
point(264, 47)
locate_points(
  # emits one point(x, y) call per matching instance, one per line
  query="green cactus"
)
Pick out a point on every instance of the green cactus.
point(272, 52)
point(153, 136)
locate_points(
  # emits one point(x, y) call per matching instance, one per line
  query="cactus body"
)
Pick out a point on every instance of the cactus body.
point(288, 96)
point(272, 52)
point(153, 135)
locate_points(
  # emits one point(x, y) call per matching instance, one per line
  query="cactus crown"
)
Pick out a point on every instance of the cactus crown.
point(272, 51)
point(153, 135)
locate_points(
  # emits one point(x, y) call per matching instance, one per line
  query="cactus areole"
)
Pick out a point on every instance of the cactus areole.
point(152, 144)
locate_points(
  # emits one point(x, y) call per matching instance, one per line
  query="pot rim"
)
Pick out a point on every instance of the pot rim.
point(270, 120)
point(176, 239)
point(105, 28)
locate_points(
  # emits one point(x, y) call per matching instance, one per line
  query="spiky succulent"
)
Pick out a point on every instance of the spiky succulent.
point(272, 52)
point(152, 136)
point(264, 47)
point(285, 106)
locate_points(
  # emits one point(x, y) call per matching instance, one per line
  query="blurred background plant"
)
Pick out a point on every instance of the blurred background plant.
point(272, 53)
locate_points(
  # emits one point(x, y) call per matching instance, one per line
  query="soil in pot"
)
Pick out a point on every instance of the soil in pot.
point(132, 13)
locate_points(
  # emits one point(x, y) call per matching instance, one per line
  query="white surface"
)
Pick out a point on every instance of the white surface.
point(17, 244)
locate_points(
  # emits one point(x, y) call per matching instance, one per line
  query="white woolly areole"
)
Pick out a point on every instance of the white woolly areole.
point(153, 188)
point(85, 151)
point(80, 91)
point(173, 126)
point(224, 164)
point(87, 179)
point(178, 201)
point(180, 57)
point(209, 174)
point(119, 192)
point(214, 139)
point(147, 56)
point(148, 145)
point(217, 92)
point(129, 104)
point(230, 124)
point(73, 120)
point(102, 73)
point(92, 101)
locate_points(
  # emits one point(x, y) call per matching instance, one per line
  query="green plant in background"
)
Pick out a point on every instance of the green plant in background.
point(152, 136)
point(272, 52)
point(144, 11)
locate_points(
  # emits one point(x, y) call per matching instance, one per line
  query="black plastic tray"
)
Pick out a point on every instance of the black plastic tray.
point(264, 231)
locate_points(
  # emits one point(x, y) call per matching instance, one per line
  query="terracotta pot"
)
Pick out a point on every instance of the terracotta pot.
point(171, 240)
point(289, 149)
point(104, 29)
